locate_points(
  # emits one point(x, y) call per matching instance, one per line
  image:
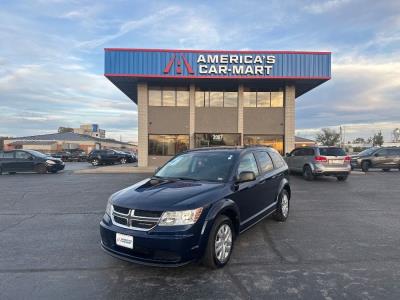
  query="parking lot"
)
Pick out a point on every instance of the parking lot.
point(341, 241)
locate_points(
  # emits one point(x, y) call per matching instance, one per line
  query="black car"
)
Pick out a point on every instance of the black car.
point(107, 156)
point(195, 206)
point(28, 161)
point(64, 155)
point(131, 157)
point(78, 156)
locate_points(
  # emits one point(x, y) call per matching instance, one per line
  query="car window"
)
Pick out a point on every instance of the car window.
point(308, 152)
point(394, 152)
point(277, 159)
point(110, 152)
point(248, 164)
point(8, 154)
point(383, 152)
point(22, 155)
point(264, 161)
point(298, 152)
point(332, 152)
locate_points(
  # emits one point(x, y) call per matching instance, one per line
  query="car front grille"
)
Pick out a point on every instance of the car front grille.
point(135, 219)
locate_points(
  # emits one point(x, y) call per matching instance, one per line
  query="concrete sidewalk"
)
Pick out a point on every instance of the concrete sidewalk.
point(116, 169)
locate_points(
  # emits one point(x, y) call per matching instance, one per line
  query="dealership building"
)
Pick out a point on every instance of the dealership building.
point(201, 98)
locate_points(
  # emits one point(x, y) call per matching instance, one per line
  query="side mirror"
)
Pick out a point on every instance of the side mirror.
point(376, 154)
point(287, 154)
point(246, 176)
point(30, 158)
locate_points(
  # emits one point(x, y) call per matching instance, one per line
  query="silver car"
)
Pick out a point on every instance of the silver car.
point(319, 161)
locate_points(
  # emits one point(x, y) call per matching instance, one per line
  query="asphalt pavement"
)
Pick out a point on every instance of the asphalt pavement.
point(341, 241)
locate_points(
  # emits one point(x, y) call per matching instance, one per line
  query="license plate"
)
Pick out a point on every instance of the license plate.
point(336, 161)
point(124, 240)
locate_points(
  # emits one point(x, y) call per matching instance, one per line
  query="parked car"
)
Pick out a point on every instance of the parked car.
point(319, 161)
point(131, 156)
point(78, 156)
point(385, 158)
point(64, 155)
point(28, 161)
point(107, 156)
point(195, 206)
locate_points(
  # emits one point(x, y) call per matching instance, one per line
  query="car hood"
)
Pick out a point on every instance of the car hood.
point(160, 195)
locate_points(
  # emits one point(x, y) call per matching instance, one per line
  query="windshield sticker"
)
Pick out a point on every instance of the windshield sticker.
point(230, 156)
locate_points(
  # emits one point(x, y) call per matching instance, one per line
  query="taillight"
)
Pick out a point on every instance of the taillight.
point(321, 159)
point(347, 158)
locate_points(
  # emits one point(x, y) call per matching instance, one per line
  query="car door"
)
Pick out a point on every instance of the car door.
point(290, 158)
point(381, 159)
point(23, 161)
point(248, 195)
point(392, 155)
point(268, 182)
point(8, 161)
point(298, 161)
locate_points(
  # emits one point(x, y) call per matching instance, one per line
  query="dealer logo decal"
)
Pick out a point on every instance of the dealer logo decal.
point(178, 64)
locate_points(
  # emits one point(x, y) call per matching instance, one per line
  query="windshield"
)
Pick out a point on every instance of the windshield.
point(37, 153)
point(208, 166)
point(332, 152)
point(367, 152)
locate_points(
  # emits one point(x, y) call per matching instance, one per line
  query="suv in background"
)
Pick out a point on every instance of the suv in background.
point(385, 158)
point(28, 161)
point(107, 156)
point(195, 205)
point(319, 161)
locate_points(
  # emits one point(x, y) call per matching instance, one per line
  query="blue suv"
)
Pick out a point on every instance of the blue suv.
point(195, 206)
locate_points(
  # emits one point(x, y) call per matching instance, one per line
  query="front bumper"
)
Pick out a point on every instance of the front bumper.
point(152, 247)
point(56, 167)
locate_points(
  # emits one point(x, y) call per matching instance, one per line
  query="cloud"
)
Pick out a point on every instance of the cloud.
point(132, 25)
point(324, 6)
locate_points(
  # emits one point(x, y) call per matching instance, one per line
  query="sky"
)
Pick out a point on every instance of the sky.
point(52, 57)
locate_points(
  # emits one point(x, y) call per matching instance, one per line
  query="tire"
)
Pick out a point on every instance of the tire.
point(308, 174)
point(1, 171)
point(41, 169)
point(122, 161)
point(365, 166)
point(342, 178)
point(386, 170)
point(211, 259)
point(283, 207)
point(95, 162)
point(54, 171)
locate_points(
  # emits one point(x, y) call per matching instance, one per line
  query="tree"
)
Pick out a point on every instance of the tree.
point(65, 129)
point(377, 139)
point(328, 137)
point(359, 141)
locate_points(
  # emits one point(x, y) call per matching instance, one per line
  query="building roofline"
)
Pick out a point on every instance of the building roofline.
point(219, 51)
point(217, 77)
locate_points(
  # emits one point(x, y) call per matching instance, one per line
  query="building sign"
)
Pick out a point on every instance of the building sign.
point(217, 64)
point(234, 64)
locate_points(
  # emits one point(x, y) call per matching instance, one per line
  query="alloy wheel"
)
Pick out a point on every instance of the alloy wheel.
point(285, 205)
point(223, 243)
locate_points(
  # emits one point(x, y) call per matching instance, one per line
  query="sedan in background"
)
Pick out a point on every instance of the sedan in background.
point(28, 161)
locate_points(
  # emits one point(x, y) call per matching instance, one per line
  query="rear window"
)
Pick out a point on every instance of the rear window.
point(332, 152)
point(277, 159)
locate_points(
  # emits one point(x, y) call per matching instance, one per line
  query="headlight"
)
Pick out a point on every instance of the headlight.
point(50, 162)
point(182, 217)
point(109, 207)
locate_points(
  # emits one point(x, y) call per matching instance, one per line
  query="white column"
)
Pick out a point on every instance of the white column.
point(290, 117)
point(192, 115)
point(240, 112)
point(143, 125)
